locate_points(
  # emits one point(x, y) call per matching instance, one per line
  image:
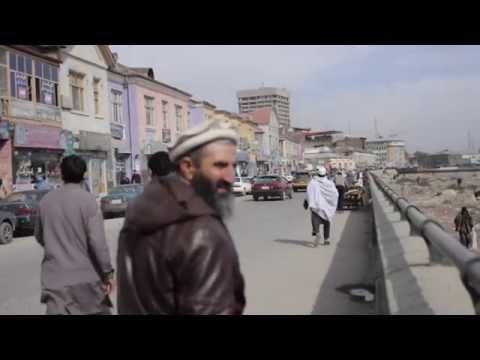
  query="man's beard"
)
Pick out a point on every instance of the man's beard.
point(222, 203)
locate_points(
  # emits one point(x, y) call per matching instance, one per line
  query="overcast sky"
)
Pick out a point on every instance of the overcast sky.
point(427, 95)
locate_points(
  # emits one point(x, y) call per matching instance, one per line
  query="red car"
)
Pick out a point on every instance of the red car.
point(271, 186)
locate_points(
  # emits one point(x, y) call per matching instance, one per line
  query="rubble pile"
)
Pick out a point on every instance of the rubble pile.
point(439, 195)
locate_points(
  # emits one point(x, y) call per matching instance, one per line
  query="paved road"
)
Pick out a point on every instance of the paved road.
point(283, 274)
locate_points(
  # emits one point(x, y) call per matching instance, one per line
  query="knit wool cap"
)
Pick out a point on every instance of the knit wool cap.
point(201, 135)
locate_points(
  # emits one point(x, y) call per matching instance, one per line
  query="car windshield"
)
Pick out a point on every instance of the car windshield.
point(129, 189)
point(267, 179)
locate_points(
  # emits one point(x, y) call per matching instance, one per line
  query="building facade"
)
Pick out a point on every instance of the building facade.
point(276, 98)
point(84, 97)
point(32, 140)
point(200, 111)
point(120, 126)
point(268, 138)
point(389, 152)
point(158, 113)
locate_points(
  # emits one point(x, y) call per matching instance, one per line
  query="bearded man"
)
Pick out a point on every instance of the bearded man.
point(175, 254)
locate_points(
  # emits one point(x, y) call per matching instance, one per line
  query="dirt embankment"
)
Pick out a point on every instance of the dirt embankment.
point(439, 195)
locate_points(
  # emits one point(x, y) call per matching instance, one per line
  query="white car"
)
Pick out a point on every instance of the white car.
point(242, 186)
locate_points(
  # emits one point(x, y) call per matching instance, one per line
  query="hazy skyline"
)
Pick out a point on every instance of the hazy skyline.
point(428, 95)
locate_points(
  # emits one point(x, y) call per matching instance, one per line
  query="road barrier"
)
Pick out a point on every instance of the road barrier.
point(408, 281)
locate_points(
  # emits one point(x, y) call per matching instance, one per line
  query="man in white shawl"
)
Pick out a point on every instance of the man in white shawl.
point(322, 199)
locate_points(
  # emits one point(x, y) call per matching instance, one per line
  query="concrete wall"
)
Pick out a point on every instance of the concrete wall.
point(408, 282)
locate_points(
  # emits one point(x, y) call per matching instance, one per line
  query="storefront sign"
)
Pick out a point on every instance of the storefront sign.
point(6, 129)
point(117, 131)
point(33, 136)
point(94, 141)
point(166, 136)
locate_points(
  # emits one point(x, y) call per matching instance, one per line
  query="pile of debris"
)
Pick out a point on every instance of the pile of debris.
point(439, 195)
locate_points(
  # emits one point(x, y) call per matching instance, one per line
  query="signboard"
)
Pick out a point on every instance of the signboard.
point(166, 136)
point(94, 141)
point(33, 136)
point(117, 131)
point(5, 128)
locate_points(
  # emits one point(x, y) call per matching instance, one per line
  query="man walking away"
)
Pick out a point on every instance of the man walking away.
point(464, 226)
point(136, 178)
point(321, 198)
point(340, 184)
point(175, 254)
point(77, 275)
point(160, 165)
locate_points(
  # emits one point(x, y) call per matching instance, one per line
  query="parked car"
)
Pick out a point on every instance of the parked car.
point(8, 222)
point(271, 186)
point(116, 201)
point(24, 205)
point(242, 186)
point(301, 180)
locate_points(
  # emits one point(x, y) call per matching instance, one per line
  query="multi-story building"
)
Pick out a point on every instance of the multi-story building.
point(200, 111)
point(291, 153)
point(158, 114)
point(363, 160)
point(389, 152)
point(268, 138)
point(83, 84)
point(120, 124)
point(276, 98)
point(32, 140)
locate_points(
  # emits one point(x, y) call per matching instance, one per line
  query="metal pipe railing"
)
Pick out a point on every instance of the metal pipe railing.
point(467, 262)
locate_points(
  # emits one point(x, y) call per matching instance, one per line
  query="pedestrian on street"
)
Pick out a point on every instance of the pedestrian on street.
point(124, 179)
point(464, 227)
point(136, 178)
point(321, 198)
point(76, 273)
point(175, 254)
point(160, 165)
point(340, 185)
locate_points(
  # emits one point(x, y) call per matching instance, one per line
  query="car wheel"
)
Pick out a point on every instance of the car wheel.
point(265, 198)
point(255, 198)
point(6, 233)
point(295, 190)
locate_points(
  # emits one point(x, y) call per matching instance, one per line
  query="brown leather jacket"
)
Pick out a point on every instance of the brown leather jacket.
point(175, 255)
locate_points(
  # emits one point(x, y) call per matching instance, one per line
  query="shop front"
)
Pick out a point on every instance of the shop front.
point(37, 152)
point(94, 148)
point(6, 132)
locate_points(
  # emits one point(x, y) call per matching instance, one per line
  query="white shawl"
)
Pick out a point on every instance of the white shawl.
point(322, 197)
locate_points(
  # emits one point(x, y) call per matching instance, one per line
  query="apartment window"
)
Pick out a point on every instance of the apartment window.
point(96, 96)
point(46, 83)
point(165, 113)
point(178, 117)
point(117, 106)
point(77, 88)
point(21, 76)
point(149, 111)
point(3, 72)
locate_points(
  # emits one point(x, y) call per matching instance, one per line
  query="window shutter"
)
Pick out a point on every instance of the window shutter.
point(3, 81)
